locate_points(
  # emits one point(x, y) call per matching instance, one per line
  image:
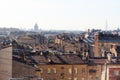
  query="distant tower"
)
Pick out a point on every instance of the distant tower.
point(106, 25)
point(36, 27)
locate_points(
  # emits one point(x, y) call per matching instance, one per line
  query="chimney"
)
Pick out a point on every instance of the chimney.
point(41, 53)
point(113, 50)
point(96, 37)
point(85, 56)
point(49, 60)
point(109, 57)
point(88, 30)
point(24, 56)
point(95, 47)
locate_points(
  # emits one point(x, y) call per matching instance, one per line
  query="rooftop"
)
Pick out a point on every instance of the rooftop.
point(108, 38)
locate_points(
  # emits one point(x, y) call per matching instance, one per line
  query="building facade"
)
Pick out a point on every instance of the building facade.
point(70, 67)
point(5, 63)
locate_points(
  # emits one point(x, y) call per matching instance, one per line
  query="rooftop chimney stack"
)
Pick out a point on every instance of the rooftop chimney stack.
point(109, 57)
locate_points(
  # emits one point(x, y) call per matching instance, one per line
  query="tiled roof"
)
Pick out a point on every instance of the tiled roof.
point(40, 59)
point(71, 59)
point(102, 38)
point(88, 40)
point(65, 59)
point(71, 38)
point(25, 38)
point(54, 59)
point(99, 61)
point(109, 38)
point(58, 59)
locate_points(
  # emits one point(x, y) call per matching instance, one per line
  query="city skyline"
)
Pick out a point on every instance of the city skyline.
point(60, 15)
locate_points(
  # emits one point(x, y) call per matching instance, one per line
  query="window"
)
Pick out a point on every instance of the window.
point(97, 78)
point(39, 78)
point(92, 71)
point(70, 70)
point(116, 72)
point(54, 70)
point(91, 78)
point(83, 70)
point(62, 67)
point(75, 78)
point(75, 69)
point(62, 75)
point(69, 78)
point(16, 78)
point(48, 79)
point(83, 78)
point(41, 70)
point(81, 49)
point(54, 78)
point(48, 70)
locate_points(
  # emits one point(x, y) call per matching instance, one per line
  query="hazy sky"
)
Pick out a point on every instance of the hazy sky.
point(60, 14)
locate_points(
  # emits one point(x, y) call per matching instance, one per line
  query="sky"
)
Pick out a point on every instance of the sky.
point(60, 14)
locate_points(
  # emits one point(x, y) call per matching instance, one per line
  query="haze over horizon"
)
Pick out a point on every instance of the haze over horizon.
point(60, 14)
